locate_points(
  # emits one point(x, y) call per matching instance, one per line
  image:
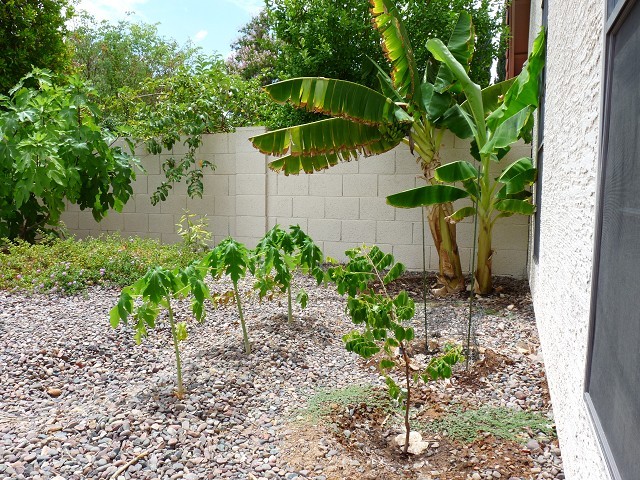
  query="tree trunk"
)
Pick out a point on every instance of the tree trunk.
point(444, 238)
point(483, 284)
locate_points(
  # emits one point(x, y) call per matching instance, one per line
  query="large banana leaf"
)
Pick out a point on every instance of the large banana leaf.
point(511, 206)
point(471, 90)
point(524, 91)
point(456, 172)
point(338, 98)
point(290, 165)
point(331, 136)
point(492, 96)
point(427, 195)
point(396, 46)
point(461, 47)
point(518, 175)
point(509, 131)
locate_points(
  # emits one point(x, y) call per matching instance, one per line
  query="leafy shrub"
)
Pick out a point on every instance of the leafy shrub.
point(70, 265)
point(194, 231)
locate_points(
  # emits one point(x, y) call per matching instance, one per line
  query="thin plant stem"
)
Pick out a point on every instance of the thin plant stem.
point(407, 374)
point(245, 335)
point(473, 283)
point(424, 286)
point(176, 347)
point(289, 307)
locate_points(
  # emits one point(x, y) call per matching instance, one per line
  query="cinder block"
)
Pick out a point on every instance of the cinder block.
point(512, 237)
point(71, 220)
point(225, 206)
point(293, 185)
point(113, 221)
point(179, 188)
point(271, 222)
point(162, 223)
point(174, 204)
point(323, 185)
point(214, 143)
point(136, 222)
point(272, 182)
point(448, 155)
point(150, 163)
point(250, 184)
point(201, 206)
point(390, 184)
point(139, 185)
point(411, 255)
point(251, 162)
point(219, 226)
point(360, 185)
point(252, 205)
point(375, 208)
point(359, 231)
point(309, 207)
point(225, 163)
point(247, 226)
point(384, 163)
point(406, 162)
point(143, 204)
point(324, 229)
point(394, 233)
point(336, 250)
point(241, 138)
point(510, 262)
point(249, 242)
point(130, 206)
point(346, 208)
point(408, 214)
point(279, 206)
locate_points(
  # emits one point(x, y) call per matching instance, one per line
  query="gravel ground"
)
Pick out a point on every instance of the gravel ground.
point(80, 400)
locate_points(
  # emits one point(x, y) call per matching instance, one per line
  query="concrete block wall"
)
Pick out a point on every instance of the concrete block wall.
point(340, 208)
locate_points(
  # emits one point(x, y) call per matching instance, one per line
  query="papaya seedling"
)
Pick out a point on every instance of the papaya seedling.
point(385, 320)
point(155, 291)
point(276, 258)
point(231, 258)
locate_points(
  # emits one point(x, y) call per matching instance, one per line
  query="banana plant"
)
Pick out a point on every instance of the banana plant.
point(231, 258)
point(385, 321)
point(366, 122)
point(284, 252)
point(495, 122)
point(155, 290)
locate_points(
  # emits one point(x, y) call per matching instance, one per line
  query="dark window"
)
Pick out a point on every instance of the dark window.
point(613, 378)
point(540, 152)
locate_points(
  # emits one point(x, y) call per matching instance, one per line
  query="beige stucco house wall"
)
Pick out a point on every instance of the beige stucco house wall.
point(561, 278)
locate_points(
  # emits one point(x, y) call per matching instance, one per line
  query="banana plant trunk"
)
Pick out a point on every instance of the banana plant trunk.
point(444, 239)
point(483, 284)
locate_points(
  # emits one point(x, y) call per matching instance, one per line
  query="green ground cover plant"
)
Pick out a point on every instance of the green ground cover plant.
point(70, 266)
point(466, 426)
point(322, 403)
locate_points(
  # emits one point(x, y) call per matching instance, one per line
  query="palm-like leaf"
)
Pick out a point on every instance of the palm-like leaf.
point(460, 45)
point(319, 145)
point(396, 46)
point(427, 195)
point(338, 98)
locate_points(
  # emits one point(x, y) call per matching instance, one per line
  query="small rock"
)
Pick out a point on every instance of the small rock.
point(533, 445)
point(54, 392)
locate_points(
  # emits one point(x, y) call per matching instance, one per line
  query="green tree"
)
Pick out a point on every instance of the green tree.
point(52, 148)
point(368, 123)
point(32, 35)
point(125, 54)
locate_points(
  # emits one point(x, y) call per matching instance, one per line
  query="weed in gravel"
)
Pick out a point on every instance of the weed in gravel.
point(323, 402)
point(506, 423)
point(70, 266)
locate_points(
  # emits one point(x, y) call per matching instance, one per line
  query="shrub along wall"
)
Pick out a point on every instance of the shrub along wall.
point(340, 208)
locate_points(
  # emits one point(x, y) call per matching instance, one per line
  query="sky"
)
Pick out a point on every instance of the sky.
point(210, 24)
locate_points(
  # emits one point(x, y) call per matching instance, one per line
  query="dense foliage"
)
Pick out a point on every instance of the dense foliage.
point(69, 266)
point(52, 149)
point(32, 35)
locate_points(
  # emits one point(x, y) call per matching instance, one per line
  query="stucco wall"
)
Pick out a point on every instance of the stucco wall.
point(340, 208)
point(561, 280)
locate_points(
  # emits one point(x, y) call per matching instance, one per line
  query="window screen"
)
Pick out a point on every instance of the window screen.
point(614, 376)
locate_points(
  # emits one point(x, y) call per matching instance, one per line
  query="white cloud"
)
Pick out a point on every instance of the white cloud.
point(109, 9)
point(251, 6)
point(198, 37)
